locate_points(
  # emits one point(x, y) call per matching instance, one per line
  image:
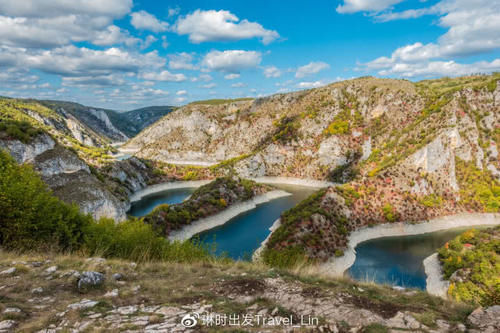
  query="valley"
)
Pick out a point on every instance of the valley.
point(297, 177)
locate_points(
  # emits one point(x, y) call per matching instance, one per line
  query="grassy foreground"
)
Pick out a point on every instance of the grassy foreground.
point(148, 294)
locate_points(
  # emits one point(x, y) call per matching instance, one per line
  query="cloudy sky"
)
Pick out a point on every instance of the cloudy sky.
point(124, 54)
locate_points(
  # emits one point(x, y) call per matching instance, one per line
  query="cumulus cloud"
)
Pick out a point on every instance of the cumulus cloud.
point(311, 84)
point(472, 28)
point(231, 61)
point(143, 20)
point(202, 77)
point(181, 92)
point(48, 24)
point(232, 76)
point(209, 86)
point(164, 76)
point(311, 68)
point(181, 60)
point(272, 71)
point(238, 85)
point(353, 6)
point(52, 8)
point(211, 25)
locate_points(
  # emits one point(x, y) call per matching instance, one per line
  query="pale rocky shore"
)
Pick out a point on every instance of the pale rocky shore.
point(337, 266)
point(435, 283)
point(221, 218)
point(153, 189)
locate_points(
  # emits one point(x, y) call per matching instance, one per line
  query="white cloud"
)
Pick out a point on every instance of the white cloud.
point(164, 76)
point(181, 92)
point(308, 85)
point(48, 24)
point(272, 71)
point(173, 11)
point(164, 42)
point(202, 77)
point(238, 85)
point(311, 68)
point(232, 76)
point(438, 68)
point(180, 99)
point(472, 28)
point(52, 8)
point(181, 61)
point(231, 61)
point(353, 6)
point(222, 25)
point(209, 86)
point(93, 81)
point(143, 20)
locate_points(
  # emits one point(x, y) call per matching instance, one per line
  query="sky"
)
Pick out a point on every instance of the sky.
point(126, 54)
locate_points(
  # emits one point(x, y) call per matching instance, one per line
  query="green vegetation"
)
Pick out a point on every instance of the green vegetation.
point(390, 213)
point(205, 201)
point(474, 256)
point(337, 127)
point(31, 218)
point(431, 200)
point(19, 130)
point(287, 129)
point(478, 189)
point(221, 101)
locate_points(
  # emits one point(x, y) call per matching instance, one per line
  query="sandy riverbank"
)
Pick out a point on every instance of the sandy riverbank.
point(436, 284)
point(221, 218)
point(258, 252)
point(293, 181)
point(136, 196)
point(337, 266)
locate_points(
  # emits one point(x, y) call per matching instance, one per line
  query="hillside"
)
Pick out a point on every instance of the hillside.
point(134, 121)
point(404, 151)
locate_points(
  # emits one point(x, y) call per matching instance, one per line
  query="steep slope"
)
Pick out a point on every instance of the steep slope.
point(95, 118)
point(76, 171)
point(134, 121)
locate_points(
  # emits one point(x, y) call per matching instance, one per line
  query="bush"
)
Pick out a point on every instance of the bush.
point(135, 240)
point(390, 213)
point(30, 216)
point(19, 130)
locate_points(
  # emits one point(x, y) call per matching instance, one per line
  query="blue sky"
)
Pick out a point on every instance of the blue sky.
point(124, 54)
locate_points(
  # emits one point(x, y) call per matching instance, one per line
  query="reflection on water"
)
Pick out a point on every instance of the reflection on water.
point(243, 234)
point(398, 260)
point(148, 203)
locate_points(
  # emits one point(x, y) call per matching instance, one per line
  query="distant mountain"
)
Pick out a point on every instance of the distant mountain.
point(134, 121)
point(111, 124)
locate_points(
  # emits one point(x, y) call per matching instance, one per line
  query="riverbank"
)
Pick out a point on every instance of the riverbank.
point(153, 189)
point(435, 284)
point(221, 218)
point(293, 181)
point(257, 253)
point(337, 266)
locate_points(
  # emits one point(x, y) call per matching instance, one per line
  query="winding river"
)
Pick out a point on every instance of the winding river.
point(395, 257)
point(239, 237)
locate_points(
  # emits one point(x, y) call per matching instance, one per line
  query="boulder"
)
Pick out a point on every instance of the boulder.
point(90, 280)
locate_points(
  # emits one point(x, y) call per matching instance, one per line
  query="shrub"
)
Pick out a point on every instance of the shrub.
point(30, 216)
point(19, 130)
point(135, 240)
point(390, 213)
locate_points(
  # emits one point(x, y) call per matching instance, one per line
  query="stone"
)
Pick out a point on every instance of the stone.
point(96, 260)
point(7, 324)
point(126, 310)
point(83, 304)
point(8, 271)
point(117, 276)
point(485, 319)
point(90, 280)
point(112, 293)
point(51, 269)
point(37, 290)
point(12, 310)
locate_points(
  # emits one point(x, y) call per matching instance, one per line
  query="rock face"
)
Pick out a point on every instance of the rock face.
point(485, 320)
point(89, 280)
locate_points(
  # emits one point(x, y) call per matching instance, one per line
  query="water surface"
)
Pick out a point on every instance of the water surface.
point(243, 234)
point(149, 202)
point(398, 260)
